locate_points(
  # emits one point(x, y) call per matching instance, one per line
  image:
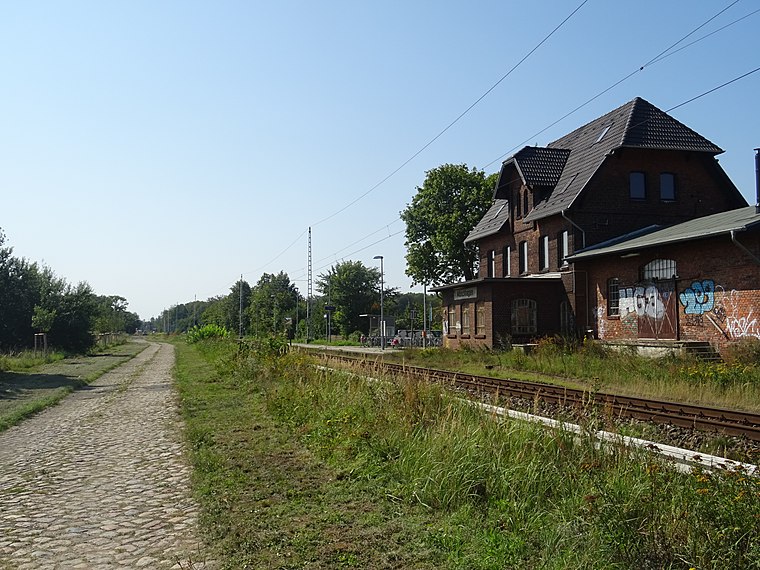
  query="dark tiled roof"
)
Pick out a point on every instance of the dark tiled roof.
point(540, 166)
point(637, 124)
point(648, 127)
point(492, 222)
point(737, 220)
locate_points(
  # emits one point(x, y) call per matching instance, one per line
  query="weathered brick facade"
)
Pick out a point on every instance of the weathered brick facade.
point(716, 288)
point(618, 174)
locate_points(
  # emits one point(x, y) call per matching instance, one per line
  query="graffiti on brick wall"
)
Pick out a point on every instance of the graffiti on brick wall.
point(706, 300)
point(694, 320)
point(699, 298)
point(641, 301)
point(600, 321)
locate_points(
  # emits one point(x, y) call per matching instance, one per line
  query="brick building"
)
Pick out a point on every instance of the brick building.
point(695, 281)
point(633, 168)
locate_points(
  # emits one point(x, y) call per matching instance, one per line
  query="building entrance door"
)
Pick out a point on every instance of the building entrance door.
point(657, 310)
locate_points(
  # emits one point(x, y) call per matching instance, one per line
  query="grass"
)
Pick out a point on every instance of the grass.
point(29, 384)
point(28, 359)
point(297, 467)
point(732, 384)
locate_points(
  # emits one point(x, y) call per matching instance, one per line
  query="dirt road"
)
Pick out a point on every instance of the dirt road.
point(100, 481)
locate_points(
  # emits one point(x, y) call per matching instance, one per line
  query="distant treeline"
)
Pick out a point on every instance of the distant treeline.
point(349, 292)
point(34, 300)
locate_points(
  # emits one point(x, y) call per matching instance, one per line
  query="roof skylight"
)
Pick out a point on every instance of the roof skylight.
point(569, 182)
point(604, 132)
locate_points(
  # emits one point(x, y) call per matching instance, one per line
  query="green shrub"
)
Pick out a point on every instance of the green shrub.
point(743, 352)
point(204, 332)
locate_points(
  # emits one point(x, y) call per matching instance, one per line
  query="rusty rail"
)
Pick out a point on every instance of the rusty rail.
point(703, 418)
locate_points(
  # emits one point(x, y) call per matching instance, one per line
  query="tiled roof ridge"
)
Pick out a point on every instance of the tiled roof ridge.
point(634, 104)
point(653, 114)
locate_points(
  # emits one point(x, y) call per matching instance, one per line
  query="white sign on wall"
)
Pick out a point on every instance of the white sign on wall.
point(469, 293)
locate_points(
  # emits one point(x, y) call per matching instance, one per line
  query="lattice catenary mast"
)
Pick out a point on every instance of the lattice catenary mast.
point(308, 294)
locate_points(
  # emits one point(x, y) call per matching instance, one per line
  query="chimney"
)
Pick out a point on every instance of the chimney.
point(757, 180)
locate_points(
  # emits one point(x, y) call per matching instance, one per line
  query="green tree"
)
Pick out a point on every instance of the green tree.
point(451, 201)
point(111, 315)
point(19, 294)
point(75, 314)
point(273, 302)
point(353, 289)
point(225, 311)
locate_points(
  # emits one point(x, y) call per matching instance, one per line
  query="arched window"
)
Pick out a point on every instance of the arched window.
point(659, 269)
point(524, 316)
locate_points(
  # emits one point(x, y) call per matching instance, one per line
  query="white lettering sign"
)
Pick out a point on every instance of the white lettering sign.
point(469, 293)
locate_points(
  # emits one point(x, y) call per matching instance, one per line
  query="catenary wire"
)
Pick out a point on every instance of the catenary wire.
point(455, 121)
point(658, 58)
point(664, 54)
point(661, 56)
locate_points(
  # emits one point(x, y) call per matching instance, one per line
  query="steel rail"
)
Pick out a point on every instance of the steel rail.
point(690, 416)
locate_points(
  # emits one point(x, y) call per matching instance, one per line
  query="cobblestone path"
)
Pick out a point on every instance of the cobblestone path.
point(100, 481)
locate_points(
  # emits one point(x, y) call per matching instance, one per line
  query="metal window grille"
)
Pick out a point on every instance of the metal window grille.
point(659, 269)
point(613, 297)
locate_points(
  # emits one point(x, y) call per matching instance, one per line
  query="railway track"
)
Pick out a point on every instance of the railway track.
point(717, 420)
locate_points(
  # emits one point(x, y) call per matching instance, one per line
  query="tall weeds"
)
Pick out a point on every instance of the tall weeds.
point(525, 496)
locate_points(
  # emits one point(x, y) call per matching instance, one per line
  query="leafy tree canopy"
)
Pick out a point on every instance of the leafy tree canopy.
point(451, 201)
point(353, 289)
point(274, 299)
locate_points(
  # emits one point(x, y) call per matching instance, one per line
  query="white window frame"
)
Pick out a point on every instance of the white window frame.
point(465, 318)
point(544, 253)
point(480, 318)
point(523, 257)
point(564, 247)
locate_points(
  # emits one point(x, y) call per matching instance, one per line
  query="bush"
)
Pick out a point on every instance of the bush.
point(198, 333)
point(745, 352)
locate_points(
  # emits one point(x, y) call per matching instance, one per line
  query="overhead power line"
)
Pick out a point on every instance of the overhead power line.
point(658, 58)
point(666, 53)
point(455, 121)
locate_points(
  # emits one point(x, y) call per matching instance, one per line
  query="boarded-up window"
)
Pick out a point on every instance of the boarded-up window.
point(480, 319)
point(524, 316)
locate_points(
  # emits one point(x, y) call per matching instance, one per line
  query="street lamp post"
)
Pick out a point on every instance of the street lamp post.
point(424, 315)
point(382, 311)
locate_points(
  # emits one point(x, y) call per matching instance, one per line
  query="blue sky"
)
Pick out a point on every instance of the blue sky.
point(159, 150)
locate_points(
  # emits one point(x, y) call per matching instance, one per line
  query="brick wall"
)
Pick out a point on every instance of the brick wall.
point(605, 209)
point(496, 296)
point(718, 290)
